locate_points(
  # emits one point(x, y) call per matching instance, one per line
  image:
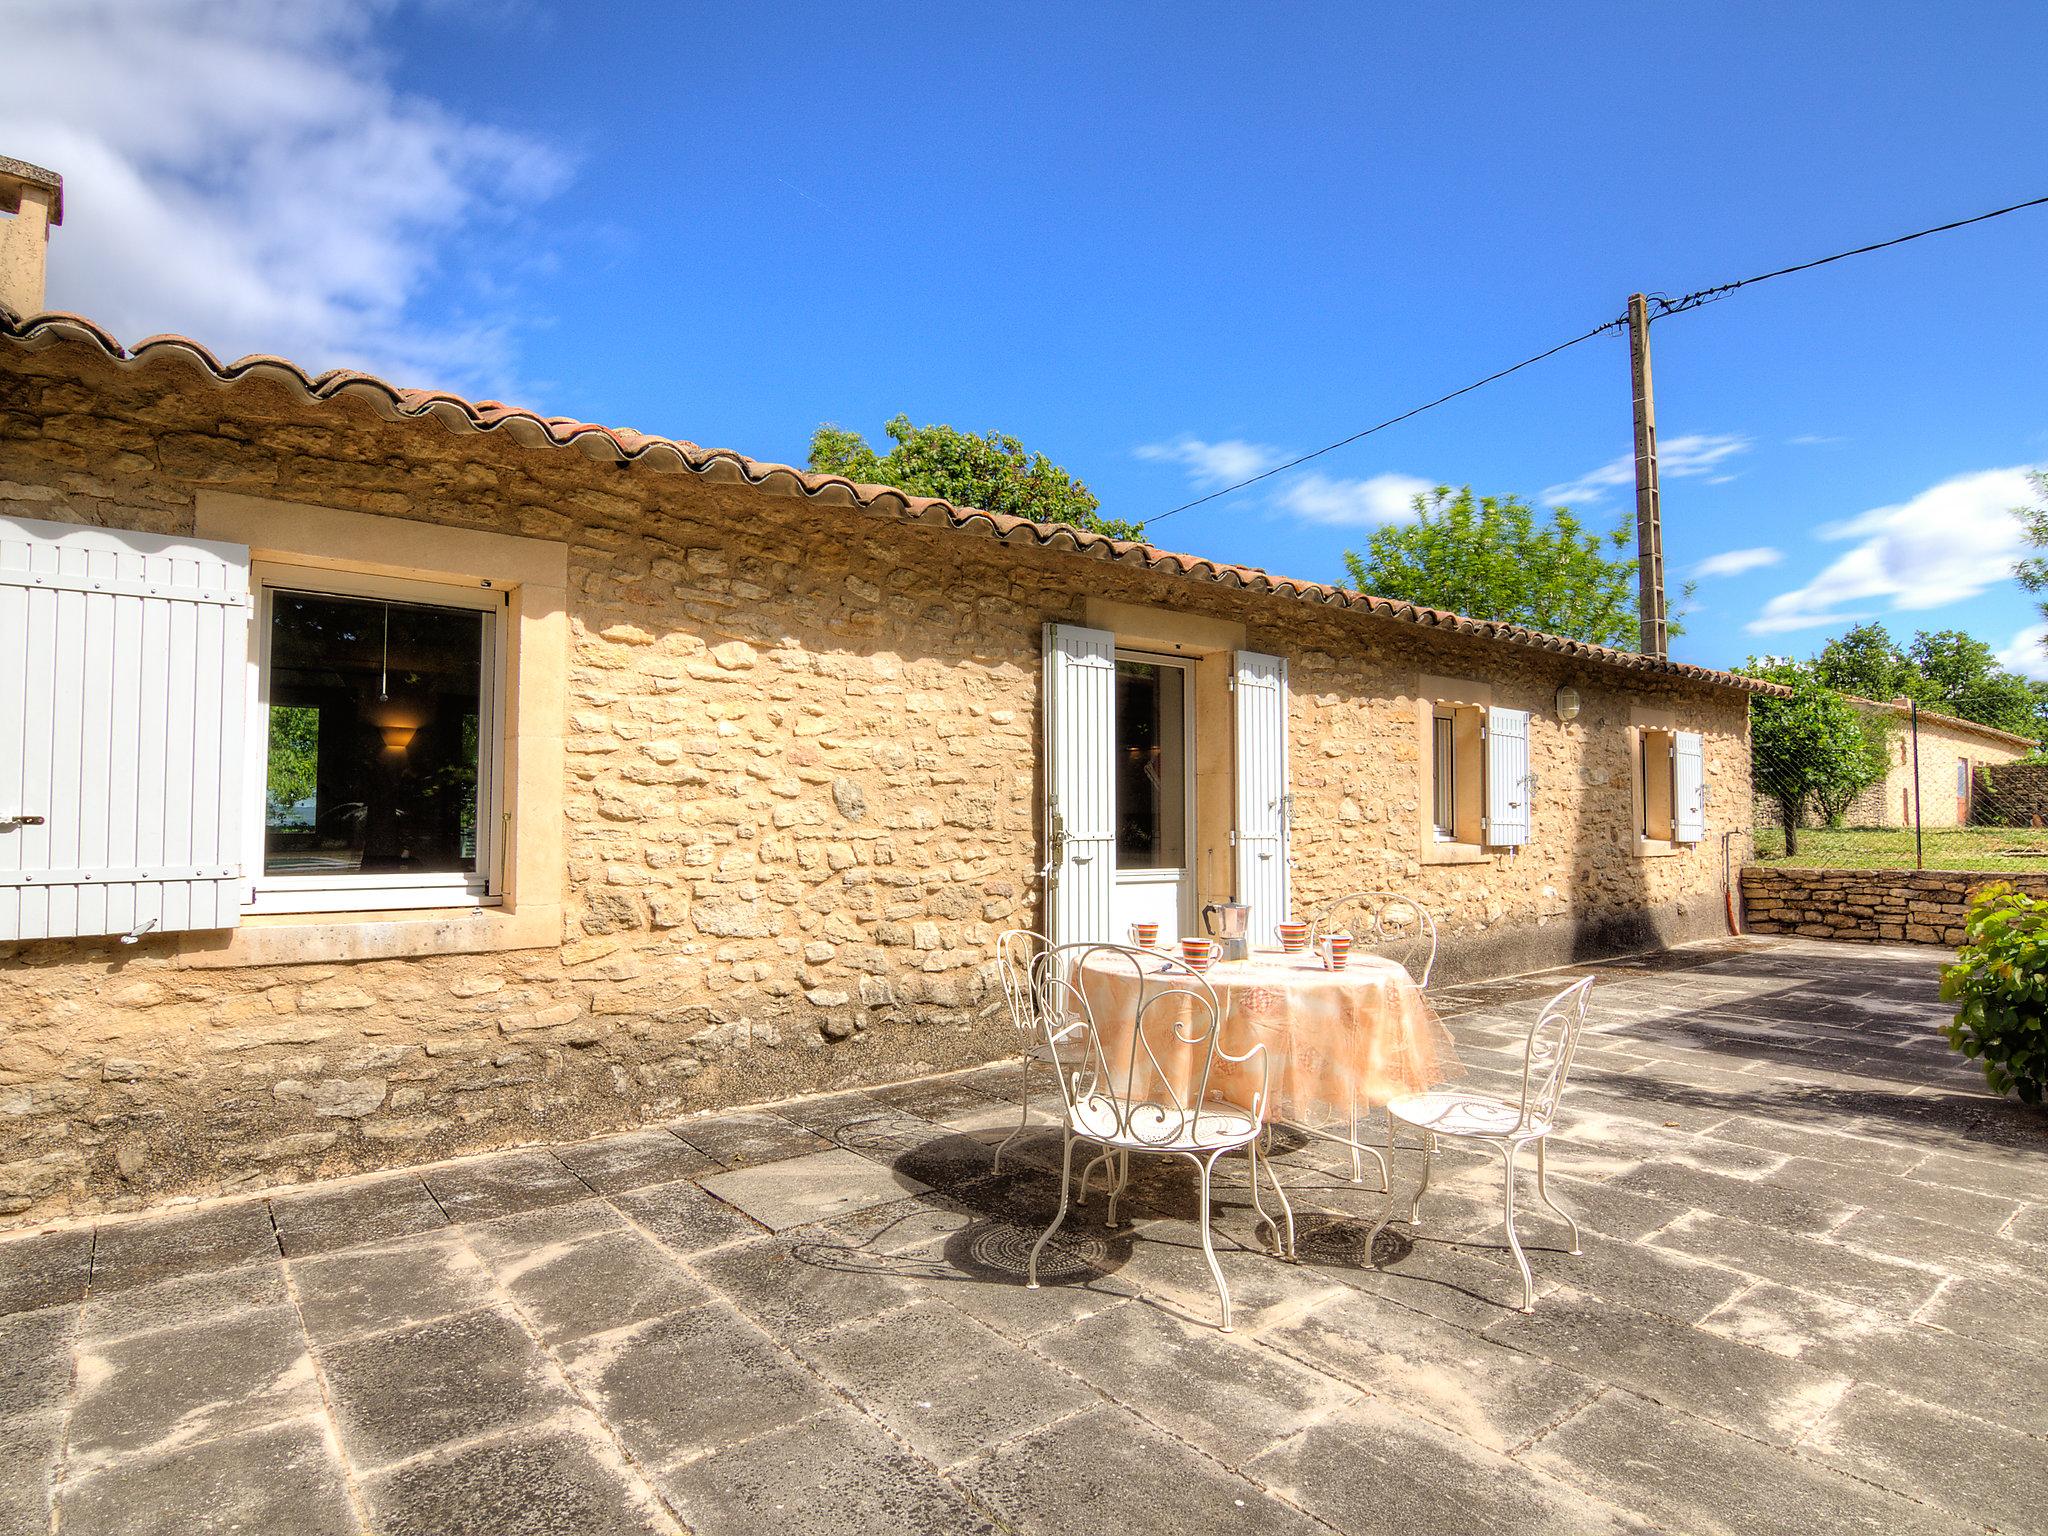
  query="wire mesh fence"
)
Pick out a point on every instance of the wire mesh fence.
point(1924, 795)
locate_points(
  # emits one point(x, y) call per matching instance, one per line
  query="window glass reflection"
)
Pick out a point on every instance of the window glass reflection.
point(1151, 766)
point(374, 727)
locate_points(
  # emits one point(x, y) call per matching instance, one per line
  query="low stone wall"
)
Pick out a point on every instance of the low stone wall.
point(1924, 906)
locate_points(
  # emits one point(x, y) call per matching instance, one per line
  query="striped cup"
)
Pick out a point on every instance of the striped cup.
point(1199, 954)
point(1145, 935)
point(1335, 950)
point(1293, 937)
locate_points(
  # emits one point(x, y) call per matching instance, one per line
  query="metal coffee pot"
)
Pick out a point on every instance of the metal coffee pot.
point(1230, 932)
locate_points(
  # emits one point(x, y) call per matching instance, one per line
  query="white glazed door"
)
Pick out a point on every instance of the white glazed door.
point(1263, 809)
point(1153, 762)
point(1080, 812)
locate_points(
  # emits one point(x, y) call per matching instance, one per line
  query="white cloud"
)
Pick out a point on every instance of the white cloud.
point(1212, 464)
point(1814, 440)
point(1678, 458)
point(2027, 654)
point(1353, 503)
point(1736, 562)
point(1944, 546)
point(246, 173)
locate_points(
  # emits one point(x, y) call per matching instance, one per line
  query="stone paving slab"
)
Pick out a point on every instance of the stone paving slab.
point(798, 1191)
point(1811, 1296)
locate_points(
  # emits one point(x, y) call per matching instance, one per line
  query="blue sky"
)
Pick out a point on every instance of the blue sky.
point(1158, 243)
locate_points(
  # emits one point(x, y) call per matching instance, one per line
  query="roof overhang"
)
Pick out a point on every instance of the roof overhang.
point(624, 446)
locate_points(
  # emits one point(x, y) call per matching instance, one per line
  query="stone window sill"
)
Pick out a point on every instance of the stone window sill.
point(1659, 848)
point(324, 937)
point(1454, 853)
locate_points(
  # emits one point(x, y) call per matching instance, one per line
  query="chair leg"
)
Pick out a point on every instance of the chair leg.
point(1358, 1168)
point(1543, 1194)
point(1066, 1171)
point(1122, 1165)
point(1286, 1206)
point(1252, 1152)
point(1507, 1154)
point(1428, 1161)
point(1087, 1173)
point(1023, 1112)
point(1387, 1209)
point(1208, 1167)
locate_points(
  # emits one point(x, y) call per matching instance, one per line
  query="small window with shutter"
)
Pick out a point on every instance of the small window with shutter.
point(1477, 789)
point(1670, 789)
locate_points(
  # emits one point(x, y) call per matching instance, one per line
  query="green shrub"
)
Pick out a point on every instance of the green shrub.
point(2000, 977)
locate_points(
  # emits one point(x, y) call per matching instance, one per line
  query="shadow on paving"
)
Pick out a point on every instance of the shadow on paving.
point(1812, 1246)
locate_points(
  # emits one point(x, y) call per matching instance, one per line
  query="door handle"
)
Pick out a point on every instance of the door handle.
point(22, 820)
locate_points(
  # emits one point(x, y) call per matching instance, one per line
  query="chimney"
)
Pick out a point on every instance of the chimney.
point(31, 200)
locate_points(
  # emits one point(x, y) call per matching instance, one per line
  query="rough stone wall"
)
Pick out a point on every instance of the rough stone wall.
point(1918, 906)
point(803, 798)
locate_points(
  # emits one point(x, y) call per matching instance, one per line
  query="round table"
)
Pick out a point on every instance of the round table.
point(1337, 1042)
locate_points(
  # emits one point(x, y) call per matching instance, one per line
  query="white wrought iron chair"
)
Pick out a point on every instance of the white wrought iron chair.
point(1389, 923)
point(1493, 1122)
point(1017, 952)
point(1119, 1096)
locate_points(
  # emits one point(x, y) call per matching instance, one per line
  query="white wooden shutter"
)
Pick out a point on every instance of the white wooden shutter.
point(1688, 788)
point(1080, 783)
point(123, 664)
point(1263, 809)
point(1509, 788)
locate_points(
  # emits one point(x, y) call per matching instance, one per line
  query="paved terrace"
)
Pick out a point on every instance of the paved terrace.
point(1812, 1299)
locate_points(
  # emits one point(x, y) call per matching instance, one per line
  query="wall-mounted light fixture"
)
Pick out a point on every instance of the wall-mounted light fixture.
point(397, 737)
point(1567, 704)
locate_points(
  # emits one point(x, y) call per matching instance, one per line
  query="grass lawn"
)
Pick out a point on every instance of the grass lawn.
point(1987, 848)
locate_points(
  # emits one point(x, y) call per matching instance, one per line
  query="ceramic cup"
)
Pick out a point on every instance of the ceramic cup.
point(1293, 937)
point(1198, 953)
point(1145, 935)
point(1335, 950)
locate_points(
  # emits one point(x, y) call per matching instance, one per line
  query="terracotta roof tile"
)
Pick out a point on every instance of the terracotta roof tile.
point(627, 446)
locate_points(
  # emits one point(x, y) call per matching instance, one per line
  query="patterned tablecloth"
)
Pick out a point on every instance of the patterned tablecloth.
point(1359, 1036)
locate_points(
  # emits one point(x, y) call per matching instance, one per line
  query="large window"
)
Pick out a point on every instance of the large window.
point(379, 743)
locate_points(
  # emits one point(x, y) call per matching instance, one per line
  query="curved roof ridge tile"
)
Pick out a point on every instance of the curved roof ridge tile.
point(631, 446)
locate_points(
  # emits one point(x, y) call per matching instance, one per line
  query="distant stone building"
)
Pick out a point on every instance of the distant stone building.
point(1952, 751)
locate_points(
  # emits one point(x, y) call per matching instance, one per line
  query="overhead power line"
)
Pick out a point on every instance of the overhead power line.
point(1281, 469)
point(1664, 307)
point(1722, 290)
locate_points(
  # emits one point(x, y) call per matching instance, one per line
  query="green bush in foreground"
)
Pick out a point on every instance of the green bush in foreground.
point(2000, 978)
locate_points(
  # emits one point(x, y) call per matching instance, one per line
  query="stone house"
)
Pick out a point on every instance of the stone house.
point(385, 775)
point(1951, 753)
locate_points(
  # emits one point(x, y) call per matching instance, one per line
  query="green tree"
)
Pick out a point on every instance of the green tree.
point(991, 472)
point(294, 759)
point(1945, 670)
point(1866, 661)
point(1811, 750)
point(1489, 557)
point(1960, 675)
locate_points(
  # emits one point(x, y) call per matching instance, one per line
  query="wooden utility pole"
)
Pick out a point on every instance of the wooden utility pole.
point(1656, 640)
